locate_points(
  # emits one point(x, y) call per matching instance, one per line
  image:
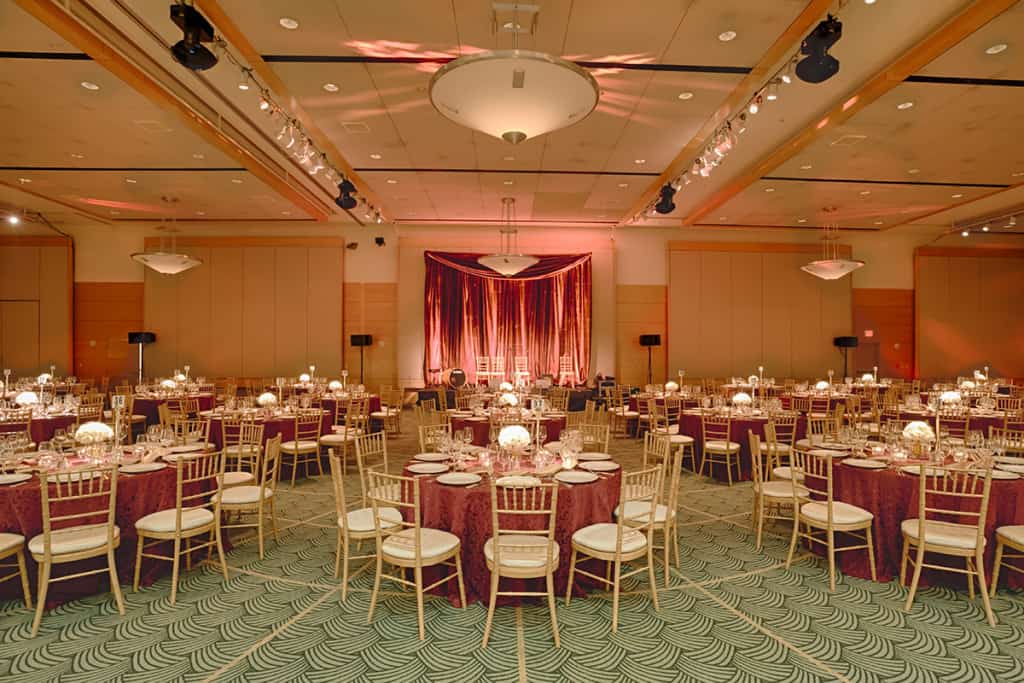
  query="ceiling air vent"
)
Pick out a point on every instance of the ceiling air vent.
point(355, 127)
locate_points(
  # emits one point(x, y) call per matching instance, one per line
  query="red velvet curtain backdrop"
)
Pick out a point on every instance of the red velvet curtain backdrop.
point(541, 313)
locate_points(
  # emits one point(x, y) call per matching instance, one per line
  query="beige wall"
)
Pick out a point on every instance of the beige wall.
point(35, 304)
point(256, 307)
point(372, 308)
point(970, 312)
point(732, 308)
point(640, 309)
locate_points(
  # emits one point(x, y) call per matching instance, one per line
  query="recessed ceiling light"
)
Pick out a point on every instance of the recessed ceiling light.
point(904, 105)
point(639, 161)
point(1017, 174)
point(806, 167)
point(508, 158)
point(131, 180)
point(392, 181)
point(509, 182)
point(286, 213)
point(623, 185)
point(984, 228)
point(996, 49)
point(331, 87)
point(956, 196)
point(865, 193)
point(726, 36)
point(375, 156)
point(89, 85)
point(686, 95)
point(200, 213)
point(879, 222)
point(801, 220)
point(722, 218)
point(76, 155)
point(198, 156)
point(288, 23)
point(769, 189)
point(236, 181)
point(24, 181)
point(869, 2)
point(243, 84)
point(914, 171)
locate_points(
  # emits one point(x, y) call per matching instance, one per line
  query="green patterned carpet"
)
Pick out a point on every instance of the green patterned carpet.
point(732, 614)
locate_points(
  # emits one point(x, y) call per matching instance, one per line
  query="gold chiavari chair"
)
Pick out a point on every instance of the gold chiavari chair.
point(559, 399)
point(643, 413)
point(818, 429)
point(665, 422)
point(73, 536)
point(390, 413)
point(516, 553)
point(719, 449)
point(954, 425)
point(779, 439)
point(304, 448)
point(355, 522)
point(566, 370)
point(1012, 537)
point(944, 494)
point(801, 404)
point(431, 435)
point(409, 545)
point(243, 443)
point(483, 369)
point(617, 542)
point(348, 426)
point(464, 400)
point(823, 514)
point(595, 437)
point(256, 499)
point(1010, 441)
point(521, 370)
point(620, 413)
point(371, 456)
point(770, 496)
point(12, 556)
point(16, 421)
point(192, 431)
point(195, 513)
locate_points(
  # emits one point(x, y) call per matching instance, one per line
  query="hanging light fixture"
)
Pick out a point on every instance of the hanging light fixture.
point(513, 95)
point(168, 262)
point(831, 266)
point(508, 261)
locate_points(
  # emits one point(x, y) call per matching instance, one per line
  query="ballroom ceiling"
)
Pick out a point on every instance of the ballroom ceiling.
point(122, 152)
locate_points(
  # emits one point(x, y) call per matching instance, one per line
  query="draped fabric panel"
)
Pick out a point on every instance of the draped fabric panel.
point(542, 313)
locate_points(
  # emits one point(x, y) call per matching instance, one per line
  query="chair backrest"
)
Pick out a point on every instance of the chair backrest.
point(341, 408)
point(338, 483)
point(270, 468)
point(402, 493)
point(245, 436)
point(643, 486)
point(783, 429)
point(818, 428)
point(657, 447)
point(814, 469)
point(1009, 440)
point(85, 496)
point(522, 364)
point(954, 495)
point(1009, 403)
point(307, 426)
point(371, 456)
point(188, 431)
point(757, 458)
point(498, 364)
point(527, 511)
point(715, 427)
point(954, 422)
point(431, 434)
point(672, 461)
point(595, 437)
point(483, 365)
point(16, 420)
point(801, 404)
point(198, 476)
point(88, 412)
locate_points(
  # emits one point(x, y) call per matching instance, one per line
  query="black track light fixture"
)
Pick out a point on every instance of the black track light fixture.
point(345, 199)
point(818, 65)
point(189, 51)
point(665, 205)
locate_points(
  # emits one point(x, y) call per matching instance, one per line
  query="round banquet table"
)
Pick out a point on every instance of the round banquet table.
point(690, 425)
point(481, 427)
point(892, 496)
point(979, 422)
point(466, 512)
point(137, 496)
point(150, 405)
point(42, 428)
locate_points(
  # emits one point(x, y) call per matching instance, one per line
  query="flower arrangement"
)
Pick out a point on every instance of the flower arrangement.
point(514, 437)
point(179, 377)
point(967, 385)
point(918, 431)
point(169, 384)
point(979, 376)
point(93, 433)
point(508, 400)
point(304, 377)
point(505, 386)
point(949, 397)
point(44, 378)
point(821, 386)
point(335, 385)
point(741, 399)
point(671, 387)
point(867, 377)
point(26, 398)
point(267, 400)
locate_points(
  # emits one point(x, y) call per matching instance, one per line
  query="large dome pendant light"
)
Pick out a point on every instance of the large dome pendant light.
point(831, 266)
point(513, 95)
point(508, 261)
point(167, 262)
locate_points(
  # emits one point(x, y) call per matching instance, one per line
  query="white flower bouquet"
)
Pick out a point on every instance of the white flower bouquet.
point(304, 378)
point(267, 400)
point(44, 378)
point(335, 385)
point(950, 397)
point(505, 386)
point(26, 398)
point(741, 399)
point(671, 387)
point(169, 384)
point(514, 437)
point(93, 433)
point(918, 431)
point(508, 400)
point(867, 377)
point(822, 386)
point(967, 385)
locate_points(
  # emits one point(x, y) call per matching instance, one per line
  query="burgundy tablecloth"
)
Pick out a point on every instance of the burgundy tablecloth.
point(482, 428)
point(892, 496)
point(137, 496)
point(150, 407)
point(42, 428)
point(690, 425)
point(466, 512)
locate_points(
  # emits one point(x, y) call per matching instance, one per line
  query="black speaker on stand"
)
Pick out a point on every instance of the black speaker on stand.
point(362, 341)
point(845, 343)
point(141, 338)
point(650, 341)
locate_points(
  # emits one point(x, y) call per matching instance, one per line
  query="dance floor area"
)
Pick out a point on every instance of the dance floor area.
point(732, 613)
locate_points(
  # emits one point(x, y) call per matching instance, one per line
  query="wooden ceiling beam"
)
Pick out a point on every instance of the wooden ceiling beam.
point(64, 25)
point(966, 22)
point(784, 45)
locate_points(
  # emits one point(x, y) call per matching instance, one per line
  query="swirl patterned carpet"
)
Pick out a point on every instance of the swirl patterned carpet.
point(732, 614)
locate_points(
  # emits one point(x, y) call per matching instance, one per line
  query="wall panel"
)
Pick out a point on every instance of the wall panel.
point(105, 312)
point(640, 309)
point(226, 302)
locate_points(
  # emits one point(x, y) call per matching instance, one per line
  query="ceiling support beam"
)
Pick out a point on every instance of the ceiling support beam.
point(967, 21)
point(230, 31)
point(64, 25)
point(779, 50)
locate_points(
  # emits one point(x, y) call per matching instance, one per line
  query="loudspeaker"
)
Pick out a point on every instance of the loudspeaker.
point(361, 340)
point(845, 342)
point(650, 340)
point(141, 337)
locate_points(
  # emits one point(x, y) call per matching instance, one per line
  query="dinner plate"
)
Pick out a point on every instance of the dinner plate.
point(16, 478)
point(1009, 459)
point(600, 466)
point(575, 477)
point(187, 448)
point(459, 478)
point(866, 463)
point(594, 456)
point(430, 457)
point(518, 480)
point(140, 467)
point(1003, 474)
point(428, 468)
point(835, 446)
point(1019, 469)
point(928, 471)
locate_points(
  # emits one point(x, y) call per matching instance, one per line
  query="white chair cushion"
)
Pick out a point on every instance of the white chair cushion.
point(522, 551)
point(74, 539)
point(638, 511)
point(387, 412)
point(434, 542)
point(779, 489)
point(238, 478)
point(625, 412)
point(962, 536)
point(338, 439)
point(785, 472)
point(361, 520)
point(721, 446)
point(1013, 534)
point(8, 541)
point(680, 439)
point(602, 538)
point(299, 446)
point(779, 448)
point(247, 449)
point(240, 495)
point(842, 513)
point(163, 522)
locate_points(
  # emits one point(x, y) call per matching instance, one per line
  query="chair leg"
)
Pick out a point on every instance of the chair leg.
point(904, 556)
point(979, 560)
point(490, 607)
point(793, 538)
point(138, 562)
point(259, 531)
point(918, 563)
point(115, 585)
point(26, 592)
point(568, 583)
point(650, 576)
point(970, 579)
point(996, 566)
point(667, 550)
point(376, 588)
point(615, 596)
point(418, 574)
point(758, 519)
point(871, 554)
point(831, 561)
point(675, 542)
point(550, 584)
point(295, 467)
point(44, 585)
point(273, 519)
point(220, 550)
point(458, 577)
point(175, 567)
point(337, 556)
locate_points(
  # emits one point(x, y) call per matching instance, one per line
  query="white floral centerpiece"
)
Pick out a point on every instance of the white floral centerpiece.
point(304, 378)
point(44, 378)
point(967, 385)
point(671, 387)
point(741, 399)
point(979, 376)
point(179, 378)
point(267, 400)
point(508, 400)
point(92, 433)
point(335, 385)
point(950, 397)
point(26, 398)
point(821, 386)
point(867, 377)
point(918, 431)
point(505, 386)
point(169, 385)
point(514, 438)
